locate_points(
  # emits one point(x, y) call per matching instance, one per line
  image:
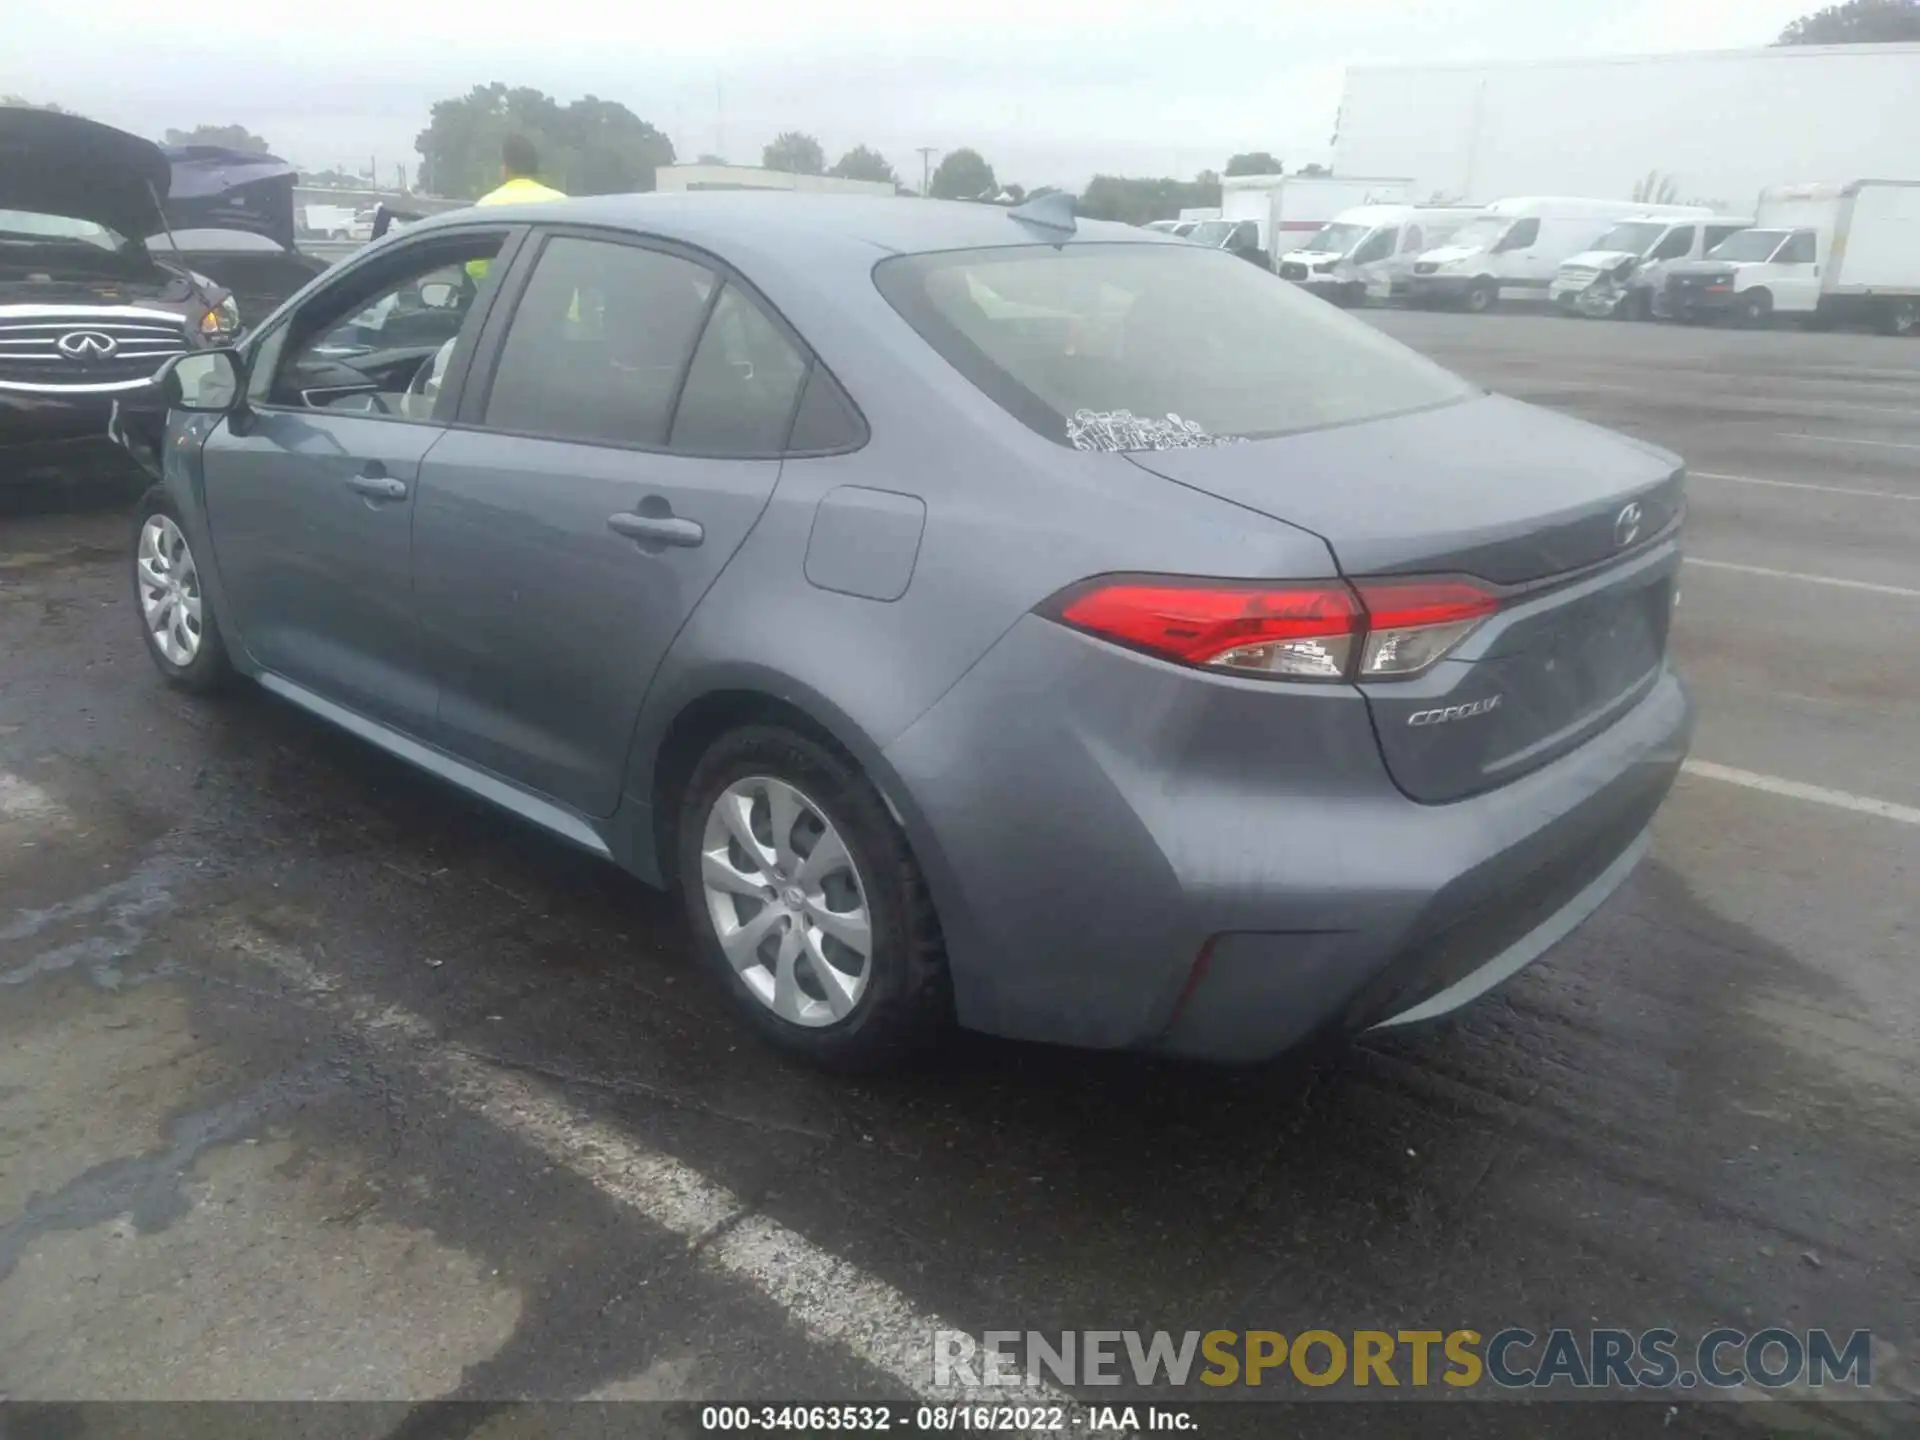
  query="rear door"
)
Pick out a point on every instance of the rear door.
point(623, 439)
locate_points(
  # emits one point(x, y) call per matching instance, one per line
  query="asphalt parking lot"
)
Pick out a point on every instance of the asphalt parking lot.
point(318, 1080)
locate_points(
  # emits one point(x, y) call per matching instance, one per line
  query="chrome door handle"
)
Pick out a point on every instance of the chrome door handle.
point(660, 529)
point(376, 484)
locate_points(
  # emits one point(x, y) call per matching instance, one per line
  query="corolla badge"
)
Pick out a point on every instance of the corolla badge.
point(1626, 525)
point(1446, 713)
point(87, 345)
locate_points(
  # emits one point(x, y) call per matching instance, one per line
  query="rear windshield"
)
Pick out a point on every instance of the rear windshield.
point(1151, 347)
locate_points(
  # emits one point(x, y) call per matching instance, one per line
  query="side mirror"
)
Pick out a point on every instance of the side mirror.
point(206, 380)
point(440, 295)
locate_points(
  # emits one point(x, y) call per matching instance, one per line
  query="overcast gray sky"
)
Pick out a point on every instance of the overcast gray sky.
point(1050, 92)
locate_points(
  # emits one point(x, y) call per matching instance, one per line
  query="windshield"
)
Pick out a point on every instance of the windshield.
point(1337, 239)
point(32, 226)
point(1148, 347)
point(1482, 232)
point(1748, 245)
point(1634, 237)
point(1211, 232)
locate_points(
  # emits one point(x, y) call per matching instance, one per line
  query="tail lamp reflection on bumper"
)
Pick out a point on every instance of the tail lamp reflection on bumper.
point(1323, 630)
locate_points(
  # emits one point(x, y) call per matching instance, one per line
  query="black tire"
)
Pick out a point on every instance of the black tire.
point(210, 668)
point(907, 1006)
point(1756, 309)
point(1481, 297)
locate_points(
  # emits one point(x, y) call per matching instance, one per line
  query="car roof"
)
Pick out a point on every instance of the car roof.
point(870, 225)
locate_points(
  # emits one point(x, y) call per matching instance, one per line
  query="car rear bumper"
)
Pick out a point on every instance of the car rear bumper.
point(1135, 855)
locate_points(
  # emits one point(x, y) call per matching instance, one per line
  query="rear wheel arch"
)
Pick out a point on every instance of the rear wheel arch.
point(704, 718)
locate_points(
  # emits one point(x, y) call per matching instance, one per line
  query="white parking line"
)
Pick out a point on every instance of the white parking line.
point(1867, 585)
point(830, 1298)
point(1797, 790)
point(1798, 485)
point(1847, 440)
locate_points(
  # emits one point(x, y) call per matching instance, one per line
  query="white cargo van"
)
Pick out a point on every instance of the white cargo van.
point(1367, 253)
point(1626, 270)
point(1512, 248)
point(1833, 253)
point(1265, 208)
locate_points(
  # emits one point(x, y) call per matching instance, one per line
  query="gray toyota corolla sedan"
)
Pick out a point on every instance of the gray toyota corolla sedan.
point(1057, 629)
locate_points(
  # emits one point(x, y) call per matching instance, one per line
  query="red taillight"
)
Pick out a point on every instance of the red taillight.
point(1319, 630)
point(1412, 623)
point(1305, 631)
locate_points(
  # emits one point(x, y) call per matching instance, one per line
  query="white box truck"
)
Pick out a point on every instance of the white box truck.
point(1512, 249)
point(1367, 253)
point(1839, 253)
point(1262, 215)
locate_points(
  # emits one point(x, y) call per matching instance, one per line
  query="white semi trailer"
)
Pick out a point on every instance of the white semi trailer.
point(1710, 128)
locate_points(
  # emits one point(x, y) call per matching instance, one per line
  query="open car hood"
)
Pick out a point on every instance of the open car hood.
point(54, 164)
point(214, 188)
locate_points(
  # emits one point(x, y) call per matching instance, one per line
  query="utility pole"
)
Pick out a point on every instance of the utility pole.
point(927, 152)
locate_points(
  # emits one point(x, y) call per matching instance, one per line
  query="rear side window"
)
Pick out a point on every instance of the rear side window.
point(1143, 347)
point(744, 384)
point(599, 342)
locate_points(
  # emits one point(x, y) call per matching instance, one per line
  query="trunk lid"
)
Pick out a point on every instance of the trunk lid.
point(1575, 524)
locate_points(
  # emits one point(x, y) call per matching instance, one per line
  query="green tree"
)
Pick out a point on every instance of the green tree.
point(962, 175)
point(22, 103)
point(1253, 162)
point(795, 152)
point(1136, 201)
point(589, 147)
point(610, 150)
point(707, 157)
point(1858, 22)
point(231, 137)
point(863, 163)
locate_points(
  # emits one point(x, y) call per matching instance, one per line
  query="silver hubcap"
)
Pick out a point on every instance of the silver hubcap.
point(169, 590)
point(787, 901)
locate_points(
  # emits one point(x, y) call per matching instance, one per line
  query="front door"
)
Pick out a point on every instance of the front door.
point(1795, 277)
point(628, 440)
point(310, 489)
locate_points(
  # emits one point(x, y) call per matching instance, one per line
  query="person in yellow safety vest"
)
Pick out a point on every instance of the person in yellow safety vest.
point(518, 162)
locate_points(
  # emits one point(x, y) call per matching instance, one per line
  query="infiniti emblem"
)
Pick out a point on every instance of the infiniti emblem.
point(86, 345)
point(1626, 525)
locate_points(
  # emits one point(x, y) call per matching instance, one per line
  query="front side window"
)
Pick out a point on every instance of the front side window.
point(1082, 341)
point(1524, 233)
point(599, 342)
point(381, 340)
point(1798, 250)
point(1677, 245)
point(1378, 247)
point(1749, 245)
point(1414, 241)
point(1246, 233)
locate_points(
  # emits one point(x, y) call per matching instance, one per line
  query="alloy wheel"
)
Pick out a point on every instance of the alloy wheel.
point(788, 903)
point(169, 580)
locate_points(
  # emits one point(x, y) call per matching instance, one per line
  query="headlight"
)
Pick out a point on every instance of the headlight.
point(221, 321)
